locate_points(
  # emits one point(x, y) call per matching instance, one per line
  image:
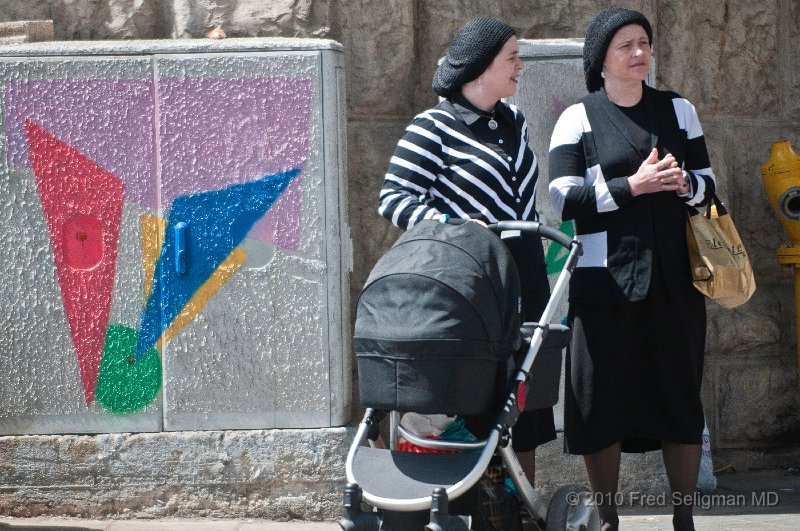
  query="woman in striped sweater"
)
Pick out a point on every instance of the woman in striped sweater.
point(624, 163)
point(468, 158)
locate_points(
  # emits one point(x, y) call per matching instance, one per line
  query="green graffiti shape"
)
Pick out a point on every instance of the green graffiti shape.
point(126, 385)
point(557, 255)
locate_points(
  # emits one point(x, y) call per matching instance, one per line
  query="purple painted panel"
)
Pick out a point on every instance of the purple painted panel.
point(216, 132)
point(109, 121)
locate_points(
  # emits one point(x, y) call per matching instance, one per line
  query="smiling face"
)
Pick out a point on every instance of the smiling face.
point(628, 55)
point(499, 80)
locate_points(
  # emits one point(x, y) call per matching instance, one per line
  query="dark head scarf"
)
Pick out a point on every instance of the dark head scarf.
point(474, 47)
point(598, 36)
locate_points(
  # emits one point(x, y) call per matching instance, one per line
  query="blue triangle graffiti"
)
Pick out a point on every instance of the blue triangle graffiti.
point(215, 222)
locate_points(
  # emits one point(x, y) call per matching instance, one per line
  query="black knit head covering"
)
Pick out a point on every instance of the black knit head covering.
point(474, 47)
point(598, 36)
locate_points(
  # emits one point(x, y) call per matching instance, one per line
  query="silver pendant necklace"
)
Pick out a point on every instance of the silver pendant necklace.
point(492, 122)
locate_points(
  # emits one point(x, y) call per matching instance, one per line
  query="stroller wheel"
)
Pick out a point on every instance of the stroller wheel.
point(572, 508)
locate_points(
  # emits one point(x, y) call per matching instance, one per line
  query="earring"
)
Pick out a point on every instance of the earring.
point(603, 75)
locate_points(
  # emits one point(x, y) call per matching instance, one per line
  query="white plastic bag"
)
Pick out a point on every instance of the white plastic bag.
point(706, 481)
point(425, 425)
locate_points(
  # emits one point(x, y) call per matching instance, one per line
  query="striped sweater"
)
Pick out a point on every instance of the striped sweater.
point(592, 153)
point(439, 166)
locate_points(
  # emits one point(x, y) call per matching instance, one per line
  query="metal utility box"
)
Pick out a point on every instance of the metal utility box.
point(174, 240)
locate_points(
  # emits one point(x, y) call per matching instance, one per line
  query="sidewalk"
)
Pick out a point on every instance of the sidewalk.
point(628, 522)
point(166, 524)
point(754, 500)
point(766, 499)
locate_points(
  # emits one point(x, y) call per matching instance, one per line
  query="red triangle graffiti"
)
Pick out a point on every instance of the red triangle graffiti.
point(82, 204)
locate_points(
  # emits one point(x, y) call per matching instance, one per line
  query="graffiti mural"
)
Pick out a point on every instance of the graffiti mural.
point(218, 222)
point(208, 162)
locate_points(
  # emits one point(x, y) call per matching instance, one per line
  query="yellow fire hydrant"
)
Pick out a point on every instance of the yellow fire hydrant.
point(781, 174)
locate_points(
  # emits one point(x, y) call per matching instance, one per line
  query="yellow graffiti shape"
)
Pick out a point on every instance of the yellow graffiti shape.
point(219, 277)
point(153, 230)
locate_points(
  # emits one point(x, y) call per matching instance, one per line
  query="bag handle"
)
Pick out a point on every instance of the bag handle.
point(715, 201)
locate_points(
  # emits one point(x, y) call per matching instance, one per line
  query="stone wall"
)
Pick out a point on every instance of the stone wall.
point(735, 60)
point(272, 474)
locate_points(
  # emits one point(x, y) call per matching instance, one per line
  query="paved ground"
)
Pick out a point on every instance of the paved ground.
point(755, 500)
point(628, 523)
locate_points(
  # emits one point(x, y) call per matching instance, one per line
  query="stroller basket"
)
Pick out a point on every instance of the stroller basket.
point(438, 323)
point(545, 372)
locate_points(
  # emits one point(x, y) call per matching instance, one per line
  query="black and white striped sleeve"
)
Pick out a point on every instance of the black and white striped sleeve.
point(413, 169)
point(697, 162)
point(578, 187)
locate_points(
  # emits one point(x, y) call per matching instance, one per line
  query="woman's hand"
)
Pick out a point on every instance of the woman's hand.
point(657, 176)
point(684, 188)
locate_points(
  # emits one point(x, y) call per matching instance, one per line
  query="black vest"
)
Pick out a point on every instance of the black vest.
point(650, 223)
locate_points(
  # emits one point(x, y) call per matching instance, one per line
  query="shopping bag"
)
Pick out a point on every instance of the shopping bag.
point(721, 269)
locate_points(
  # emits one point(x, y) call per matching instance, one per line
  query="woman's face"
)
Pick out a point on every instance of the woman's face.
point(628, 55)
point(500, 79)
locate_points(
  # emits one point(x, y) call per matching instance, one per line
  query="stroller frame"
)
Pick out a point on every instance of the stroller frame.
point(368, 450)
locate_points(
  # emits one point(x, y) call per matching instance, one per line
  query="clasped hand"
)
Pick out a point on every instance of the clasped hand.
point(656, 175)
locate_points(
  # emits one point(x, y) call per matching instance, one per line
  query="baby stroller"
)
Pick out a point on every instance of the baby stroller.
point(437, 330)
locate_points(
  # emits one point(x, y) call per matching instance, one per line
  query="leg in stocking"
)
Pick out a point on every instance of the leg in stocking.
point(682, 462)
point(528, 462)
point(603, 470)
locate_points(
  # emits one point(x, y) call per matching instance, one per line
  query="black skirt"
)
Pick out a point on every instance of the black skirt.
point(634, 372)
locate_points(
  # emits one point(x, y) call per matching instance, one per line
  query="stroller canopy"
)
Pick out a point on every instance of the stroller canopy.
point(442, 291)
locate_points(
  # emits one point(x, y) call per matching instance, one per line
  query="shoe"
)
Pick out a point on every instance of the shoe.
point(609, 526)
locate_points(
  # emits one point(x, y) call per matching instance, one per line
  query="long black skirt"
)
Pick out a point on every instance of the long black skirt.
point(634, 372)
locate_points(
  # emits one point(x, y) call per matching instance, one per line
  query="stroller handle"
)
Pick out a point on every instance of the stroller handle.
point(534, 227)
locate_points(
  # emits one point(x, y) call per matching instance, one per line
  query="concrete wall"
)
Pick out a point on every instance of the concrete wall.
point(735, 60)
point(273, 474)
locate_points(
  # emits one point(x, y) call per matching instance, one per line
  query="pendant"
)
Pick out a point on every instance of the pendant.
point(492, 124)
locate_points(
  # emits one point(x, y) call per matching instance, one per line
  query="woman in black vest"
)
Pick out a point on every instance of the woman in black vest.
point(468, 158)
point(624, 163)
